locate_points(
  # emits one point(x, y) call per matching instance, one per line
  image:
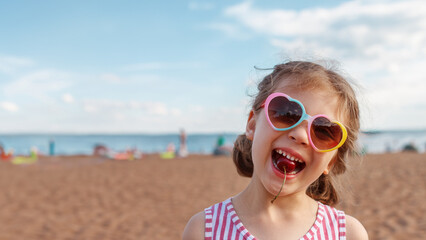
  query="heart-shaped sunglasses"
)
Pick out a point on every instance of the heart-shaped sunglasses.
point(284, 113)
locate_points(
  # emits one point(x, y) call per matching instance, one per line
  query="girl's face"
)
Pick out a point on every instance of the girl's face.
point(270, 145)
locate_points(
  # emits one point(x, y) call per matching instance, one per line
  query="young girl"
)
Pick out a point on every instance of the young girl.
point(303, 125)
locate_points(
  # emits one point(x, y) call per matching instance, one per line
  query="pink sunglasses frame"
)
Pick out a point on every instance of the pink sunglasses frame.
point(304, 117)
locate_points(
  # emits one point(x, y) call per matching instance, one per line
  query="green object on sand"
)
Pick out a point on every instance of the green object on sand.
point(220, 141)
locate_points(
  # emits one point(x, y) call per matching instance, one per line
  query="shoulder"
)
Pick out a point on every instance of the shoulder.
point(195, 227)
point(354, 229)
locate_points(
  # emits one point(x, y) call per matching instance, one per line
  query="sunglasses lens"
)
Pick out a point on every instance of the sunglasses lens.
point(325, 134)
point(284, 113)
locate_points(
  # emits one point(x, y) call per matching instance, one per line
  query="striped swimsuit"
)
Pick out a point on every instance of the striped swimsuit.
point(222, 222)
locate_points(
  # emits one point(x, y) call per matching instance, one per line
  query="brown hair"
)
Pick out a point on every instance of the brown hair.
point(308, 75)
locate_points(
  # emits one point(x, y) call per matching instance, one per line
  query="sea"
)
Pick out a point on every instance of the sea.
point(83, 144)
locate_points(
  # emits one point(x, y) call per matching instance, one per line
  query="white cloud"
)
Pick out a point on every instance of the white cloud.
point(9, 106)
point(105, 106)
point(382, 43)
point(68, 98)
point(111, 78)
point(89, 108)
point(368, 30)
point(11, 64)
point(38, 84)
point(119, 116)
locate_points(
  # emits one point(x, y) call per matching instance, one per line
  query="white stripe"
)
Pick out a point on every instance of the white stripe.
point(229, 206)
point(239, 225)
point(327, 222)
point(209, 225)
point(243, 233)
point(234, 233)
point(227, 226)
point(219, 228)
point(214, 217)
point(335, 225)
point(241, 237)
point(343, 221)
point(321, 231)
point(315, 230)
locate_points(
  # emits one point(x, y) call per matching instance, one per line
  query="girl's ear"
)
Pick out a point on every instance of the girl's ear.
point(251, 126)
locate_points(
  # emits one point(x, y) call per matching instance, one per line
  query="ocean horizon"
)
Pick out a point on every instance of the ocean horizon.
point(373, 141)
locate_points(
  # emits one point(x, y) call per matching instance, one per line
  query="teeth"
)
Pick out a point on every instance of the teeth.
point(292, 158)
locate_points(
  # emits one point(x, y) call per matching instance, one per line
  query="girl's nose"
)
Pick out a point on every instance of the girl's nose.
point(299, 134)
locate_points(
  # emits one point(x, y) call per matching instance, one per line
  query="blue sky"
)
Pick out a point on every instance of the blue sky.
point(158, 66)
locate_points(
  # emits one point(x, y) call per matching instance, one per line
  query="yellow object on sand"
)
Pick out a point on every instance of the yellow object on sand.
point(167, 155)
point(24, 160)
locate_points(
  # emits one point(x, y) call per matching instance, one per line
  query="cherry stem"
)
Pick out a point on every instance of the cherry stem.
point(285, 177)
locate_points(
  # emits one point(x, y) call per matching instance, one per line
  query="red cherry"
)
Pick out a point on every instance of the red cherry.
point(287, 164)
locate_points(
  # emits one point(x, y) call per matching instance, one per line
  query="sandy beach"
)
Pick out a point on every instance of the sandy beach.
point(86, 197)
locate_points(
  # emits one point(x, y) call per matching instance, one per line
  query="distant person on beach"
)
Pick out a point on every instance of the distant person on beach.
point(51, 147)
point(183, 150)
point(100, 150)
point(292, 159)
point(221, 149)
point(410, 147)
point(170, 151)
point(5, 155)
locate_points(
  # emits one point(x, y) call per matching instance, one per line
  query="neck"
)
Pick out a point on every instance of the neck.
point(257, 200)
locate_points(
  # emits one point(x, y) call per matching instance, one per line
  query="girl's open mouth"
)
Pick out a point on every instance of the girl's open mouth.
point(281, 160)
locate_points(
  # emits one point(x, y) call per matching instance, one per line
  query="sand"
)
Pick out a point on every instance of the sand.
point(86, 197)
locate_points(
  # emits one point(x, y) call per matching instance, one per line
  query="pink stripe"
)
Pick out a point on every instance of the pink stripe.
point(208, 219)
point(224, 223)
point(328, 219)
point(217, 215)
point(318, 231)
point(231, 231)
point(224, 220)
point(342, 226)
point(230, 228)
point(246, 235)
point(335, 224)
point(229, 224)
point(327, 222)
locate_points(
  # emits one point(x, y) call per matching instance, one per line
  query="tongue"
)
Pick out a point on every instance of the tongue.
point(287, 164)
